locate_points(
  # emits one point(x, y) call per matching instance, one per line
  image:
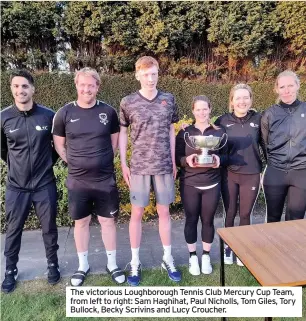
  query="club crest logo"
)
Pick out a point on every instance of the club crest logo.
point(253, 125)
point(103, 118)
point(39, 128)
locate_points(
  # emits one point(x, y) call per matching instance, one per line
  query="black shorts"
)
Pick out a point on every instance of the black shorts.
point(87, 197)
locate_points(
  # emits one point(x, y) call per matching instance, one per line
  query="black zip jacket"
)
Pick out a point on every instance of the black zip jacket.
point(244, 139)
point(284, 133)
point(198, 176)
point(26, 147)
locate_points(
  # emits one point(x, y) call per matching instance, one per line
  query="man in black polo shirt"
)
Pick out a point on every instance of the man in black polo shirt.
point(26, 147)
point(86, 136)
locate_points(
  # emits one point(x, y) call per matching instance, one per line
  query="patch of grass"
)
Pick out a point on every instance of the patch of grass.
point(38, 301)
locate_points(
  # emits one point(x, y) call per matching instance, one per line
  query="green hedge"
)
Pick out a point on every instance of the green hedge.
point(54, 90)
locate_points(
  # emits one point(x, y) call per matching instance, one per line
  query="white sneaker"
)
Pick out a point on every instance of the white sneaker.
point(206, 265)
point(239, 262)
point(228, 255)
point(194, 268)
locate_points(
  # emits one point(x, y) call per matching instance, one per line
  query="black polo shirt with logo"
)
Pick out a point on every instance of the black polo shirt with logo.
point(88, 138)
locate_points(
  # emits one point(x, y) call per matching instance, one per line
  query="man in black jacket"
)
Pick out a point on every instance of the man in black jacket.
point(26, 147)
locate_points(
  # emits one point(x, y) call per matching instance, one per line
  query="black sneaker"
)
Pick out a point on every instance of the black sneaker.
point(54, 274)
point(9, 282)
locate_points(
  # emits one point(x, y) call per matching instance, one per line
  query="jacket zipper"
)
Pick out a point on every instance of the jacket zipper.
point(30, 154)
point(290, 140)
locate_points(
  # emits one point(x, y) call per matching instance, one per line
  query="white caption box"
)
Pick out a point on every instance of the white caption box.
point(184, 302)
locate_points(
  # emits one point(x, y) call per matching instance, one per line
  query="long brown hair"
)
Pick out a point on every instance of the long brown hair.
point(206, 100)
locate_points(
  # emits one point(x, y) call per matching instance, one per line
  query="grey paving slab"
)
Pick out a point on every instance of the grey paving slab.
point(32, 261)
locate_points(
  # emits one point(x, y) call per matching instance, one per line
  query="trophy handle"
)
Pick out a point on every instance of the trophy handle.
point(224, 135)
point(186, 133)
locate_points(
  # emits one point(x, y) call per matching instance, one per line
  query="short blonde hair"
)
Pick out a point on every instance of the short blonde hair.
point(87, 71)
point(146, 62)
point(287, 73)
point(232, 92)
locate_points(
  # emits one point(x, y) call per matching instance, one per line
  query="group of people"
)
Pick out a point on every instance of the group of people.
point(86, 134)
point(278, 136)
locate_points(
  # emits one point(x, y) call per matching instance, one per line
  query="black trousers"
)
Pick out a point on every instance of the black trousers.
point(17, 207)
point(281, 184)
point(201, 204)
point(242, 187)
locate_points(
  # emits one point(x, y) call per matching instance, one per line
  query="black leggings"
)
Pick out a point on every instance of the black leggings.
point(279, 184)
point(246, 186)
point(199, 203)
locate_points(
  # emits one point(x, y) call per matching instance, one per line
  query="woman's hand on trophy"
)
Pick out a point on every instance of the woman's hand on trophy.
point(126, 175)
point(190, 160)
point(216, 161)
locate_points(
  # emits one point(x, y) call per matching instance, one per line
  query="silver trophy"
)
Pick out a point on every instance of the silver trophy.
point(205, 144)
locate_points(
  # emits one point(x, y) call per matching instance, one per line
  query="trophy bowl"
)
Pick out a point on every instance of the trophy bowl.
point(205, 144)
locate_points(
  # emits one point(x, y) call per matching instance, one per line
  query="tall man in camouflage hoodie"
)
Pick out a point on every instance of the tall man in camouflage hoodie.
point(151, 115)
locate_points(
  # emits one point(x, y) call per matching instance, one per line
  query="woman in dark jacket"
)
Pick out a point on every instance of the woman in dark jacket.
point(199, 186)
point(283, 128)
point(241, 179)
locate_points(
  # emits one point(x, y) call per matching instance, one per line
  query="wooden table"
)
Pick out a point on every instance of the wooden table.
point(275, 253)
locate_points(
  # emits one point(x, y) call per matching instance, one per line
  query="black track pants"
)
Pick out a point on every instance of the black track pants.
point(242, 187)
point(199, 203)
point(17, 207)
point(279, 184)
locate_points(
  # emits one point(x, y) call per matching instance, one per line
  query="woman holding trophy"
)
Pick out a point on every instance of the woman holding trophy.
point(283, 128)
point(241, 177)
point(200, 178)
